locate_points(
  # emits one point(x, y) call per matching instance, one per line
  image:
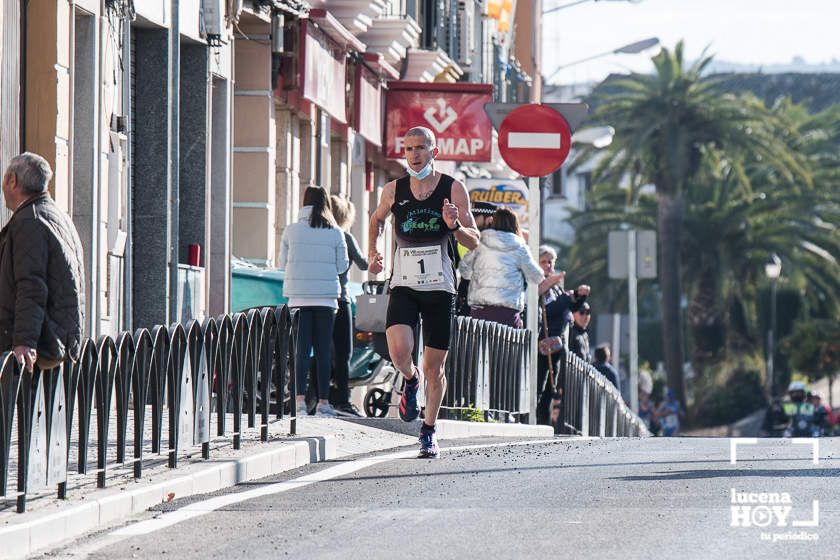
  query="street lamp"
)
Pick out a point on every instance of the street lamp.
point(576, 2)
point(773, 269)
point(632, 48)
point(596, 136)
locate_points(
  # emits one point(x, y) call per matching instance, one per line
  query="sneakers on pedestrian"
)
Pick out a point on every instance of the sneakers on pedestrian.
point(409, 410)
point(325, 410)
point(347, 410)
point(428, 445)
point(301, 408)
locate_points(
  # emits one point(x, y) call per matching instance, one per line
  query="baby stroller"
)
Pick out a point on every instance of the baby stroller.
point(383, 380)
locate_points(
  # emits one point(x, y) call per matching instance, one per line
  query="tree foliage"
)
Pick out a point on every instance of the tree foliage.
point(814, 348)
point(726, 180)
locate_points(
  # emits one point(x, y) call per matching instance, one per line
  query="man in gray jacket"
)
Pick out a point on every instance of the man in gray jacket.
point(41, 270)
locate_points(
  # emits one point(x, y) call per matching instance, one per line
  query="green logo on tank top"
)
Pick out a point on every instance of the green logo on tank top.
point(422, 219)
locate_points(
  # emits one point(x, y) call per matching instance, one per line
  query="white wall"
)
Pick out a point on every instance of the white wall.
point(159, 12)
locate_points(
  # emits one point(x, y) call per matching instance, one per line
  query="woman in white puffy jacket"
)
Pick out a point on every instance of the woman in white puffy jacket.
point(498, 269)
point(313, 253)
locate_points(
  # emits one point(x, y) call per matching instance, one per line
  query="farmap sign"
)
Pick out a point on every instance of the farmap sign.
point(511, 194)
point(454, 112)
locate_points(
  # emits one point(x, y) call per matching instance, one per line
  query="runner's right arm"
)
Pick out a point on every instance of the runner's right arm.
point(377, 226)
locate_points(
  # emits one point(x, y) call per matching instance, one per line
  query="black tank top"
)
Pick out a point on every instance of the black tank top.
point(420, 223)
point(420, 220)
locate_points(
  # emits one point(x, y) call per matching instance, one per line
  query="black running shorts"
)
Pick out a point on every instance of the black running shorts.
point(406, 306)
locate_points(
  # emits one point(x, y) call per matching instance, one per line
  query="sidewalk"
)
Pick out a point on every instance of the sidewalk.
point(50, 521)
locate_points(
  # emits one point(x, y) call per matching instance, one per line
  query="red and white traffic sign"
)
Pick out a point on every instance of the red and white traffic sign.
point(534, 140)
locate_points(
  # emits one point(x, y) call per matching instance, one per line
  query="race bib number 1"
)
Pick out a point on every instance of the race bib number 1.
point(421, 266)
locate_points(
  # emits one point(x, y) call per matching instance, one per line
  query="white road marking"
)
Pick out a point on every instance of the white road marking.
point(540, 140)
point(204, 507)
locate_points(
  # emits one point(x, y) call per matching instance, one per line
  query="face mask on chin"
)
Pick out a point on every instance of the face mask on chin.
point(423, 173)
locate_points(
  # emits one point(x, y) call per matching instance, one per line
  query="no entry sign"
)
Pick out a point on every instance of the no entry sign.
point(534, 140)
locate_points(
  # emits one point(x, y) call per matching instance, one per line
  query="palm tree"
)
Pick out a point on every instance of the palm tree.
point(737, 211)
point(664, 124)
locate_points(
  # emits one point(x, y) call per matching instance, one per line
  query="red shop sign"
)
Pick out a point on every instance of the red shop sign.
point(454, 112)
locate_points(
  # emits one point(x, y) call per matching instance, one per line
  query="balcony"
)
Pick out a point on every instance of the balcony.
point(424, 65)
point(356, 15)
point(392, 36)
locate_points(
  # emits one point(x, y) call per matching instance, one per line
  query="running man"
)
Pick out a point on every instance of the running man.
point(427, 207)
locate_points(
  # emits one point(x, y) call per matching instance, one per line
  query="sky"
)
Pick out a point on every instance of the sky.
point(760, 32)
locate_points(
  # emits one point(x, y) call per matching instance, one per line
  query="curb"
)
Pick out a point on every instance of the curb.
point(30, 536)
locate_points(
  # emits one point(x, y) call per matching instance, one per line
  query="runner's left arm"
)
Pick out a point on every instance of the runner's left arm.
point(467, 235)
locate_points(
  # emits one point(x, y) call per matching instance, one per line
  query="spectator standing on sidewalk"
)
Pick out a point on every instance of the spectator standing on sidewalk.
point(669, 412)
point(603, 365)
point(499, 268)
point(483, 214)
point(313, 253)
point(558, 306)
point(579, 336)
point(345, 215)
point(647, 412)
point(41, 270)
point(647, 409)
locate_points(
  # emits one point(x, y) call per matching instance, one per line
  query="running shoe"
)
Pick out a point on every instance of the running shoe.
point(409, 410)
point(301, 408)
point(325, 410)
point(428, 445)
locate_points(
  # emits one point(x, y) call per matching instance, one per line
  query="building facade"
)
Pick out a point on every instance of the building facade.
point(182, 133)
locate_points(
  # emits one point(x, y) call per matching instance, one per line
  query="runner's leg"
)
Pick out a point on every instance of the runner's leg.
point(438, 312)
point(434, 360)
point(400, 347)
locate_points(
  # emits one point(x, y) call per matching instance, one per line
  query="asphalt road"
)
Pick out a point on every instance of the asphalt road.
point(650, 498)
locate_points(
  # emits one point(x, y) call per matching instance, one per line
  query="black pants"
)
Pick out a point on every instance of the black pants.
point(315, 331)
point(342, 348)
point(544, 386)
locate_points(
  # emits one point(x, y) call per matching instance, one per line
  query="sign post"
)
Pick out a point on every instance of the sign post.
point(632, 255)
point(532, 296)
point(534, 140)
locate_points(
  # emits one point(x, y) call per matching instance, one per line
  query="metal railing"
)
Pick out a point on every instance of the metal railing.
point(591, 405)
point(486, 369)
point(171, 376)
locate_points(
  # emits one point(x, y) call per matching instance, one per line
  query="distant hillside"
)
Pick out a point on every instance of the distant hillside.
point(815, 91)
point(796, 66)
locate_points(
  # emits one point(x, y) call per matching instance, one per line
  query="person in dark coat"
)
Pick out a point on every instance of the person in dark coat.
point(579, 336)
point(603, 365)
point(41, 270)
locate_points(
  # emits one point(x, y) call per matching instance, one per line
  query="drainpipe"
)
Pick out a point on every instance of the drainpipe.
point(173, 185)
point(128, 268)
